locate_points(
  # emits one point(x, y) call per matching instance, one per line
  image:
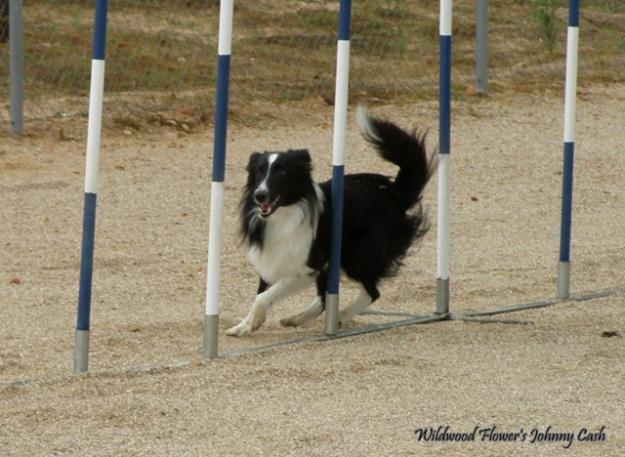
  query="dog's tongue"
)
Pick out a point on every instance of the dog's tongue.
point(265, 207)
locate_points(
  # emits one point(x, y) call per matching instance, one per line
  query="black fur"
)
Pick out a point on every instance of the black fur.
point(291, 179)
point(382, 216)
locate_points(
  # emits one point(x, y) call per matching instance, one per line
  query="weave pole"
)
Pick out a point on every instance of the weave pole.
point(444, 149)
point(564, 266)
point(94, 134)
point(338, 167)
point(481, 48)
point(16, 66)
point(213, 269)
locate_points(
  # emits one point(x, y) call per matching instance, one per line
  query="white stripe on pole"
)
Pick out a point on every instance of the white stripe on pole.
point(340, 102)
point(443, 217)
point(214, 249)
point(95, 125)
point(571, 84)
point(225, 27)
point(445, 17)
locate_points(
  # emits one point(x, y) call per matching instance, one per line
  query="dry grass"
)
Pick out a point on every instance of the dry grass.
point(160, 54)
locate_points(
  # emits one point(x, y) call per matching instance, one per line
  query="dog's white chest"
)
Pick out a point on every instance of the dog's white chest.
point(286, 246)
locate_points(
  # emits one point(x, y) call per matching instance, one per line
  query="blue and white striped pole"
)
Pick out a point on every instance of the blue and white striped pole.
point(213, 270)
point(444, 149)
point(338, 168)
point(81, 352)
point(564, 266)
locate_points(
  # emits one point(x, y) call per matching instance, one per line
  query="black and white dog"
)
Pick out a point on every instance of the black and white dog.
point(285, 219)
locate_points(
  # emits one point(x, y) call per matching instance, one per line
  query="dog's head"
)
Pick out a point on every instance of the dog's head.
point(277, 179)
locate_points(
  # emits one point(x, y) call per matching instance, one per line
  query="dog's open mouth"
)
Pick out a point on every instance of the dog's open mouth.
point(266, 209)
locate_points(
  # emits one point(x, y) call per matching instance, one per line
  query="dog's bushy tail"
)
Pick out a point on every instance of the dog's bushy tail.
point(404, 149)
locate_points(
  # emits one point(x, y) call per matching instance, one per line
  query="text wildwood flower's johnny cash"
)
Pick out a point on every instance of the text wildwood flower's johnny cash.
point(492, 434)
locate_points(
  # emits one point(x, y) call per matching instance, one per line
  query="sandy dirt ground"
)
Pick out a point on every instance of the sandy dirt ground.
point(148, 392)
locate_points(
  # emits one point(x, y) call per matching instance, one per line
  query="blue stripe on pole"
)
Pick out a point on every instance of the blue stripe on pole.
point(567, 202)
point(444, 137)
point(99, 31)
point(345, 18)
point(221, 118)
point(574, 13)
point(336, 199)
point(86, 263)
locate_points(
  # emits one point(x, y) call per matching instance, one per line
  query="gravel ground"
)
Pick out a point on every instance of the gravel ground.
point(561, 367)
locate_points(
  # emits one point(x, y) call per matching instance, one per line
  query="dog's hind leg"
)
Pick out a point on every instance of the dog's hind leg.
point(258, 313)
point(368, 294)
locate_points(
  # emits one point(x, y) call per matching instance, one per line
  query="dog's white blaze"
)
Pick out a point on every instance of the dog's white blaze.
point(286, 245)
point(263, 185)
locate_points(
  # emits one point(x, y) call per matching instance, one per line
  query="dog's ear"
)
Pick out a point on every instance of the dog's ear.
point(254, 158)
point(301, 154)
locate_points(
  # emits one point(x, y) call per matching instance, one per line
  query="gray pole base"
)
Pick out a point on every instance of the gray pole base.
point(442, 296)
point(481, 48)
point(564, 280)
point(211, 336)
point(332, 315)
point(81, 351)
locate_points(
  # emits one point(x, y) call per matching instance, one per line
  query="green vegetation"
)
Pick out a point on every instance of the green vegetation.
point(161, 54)
point(545, 14)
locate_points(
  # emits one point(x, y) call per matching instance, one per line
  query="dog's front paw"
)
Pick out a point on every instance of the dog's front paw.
point(258, 318)
point(252, 322)
point(242, 328)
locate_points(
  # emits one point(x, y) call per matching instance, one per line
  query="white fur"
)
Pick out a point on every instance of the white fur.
point(258, 313)
point(289, 234)
point(286, 244)
point(263, 185)
point(281, 262)
point(365, 124)
point(311, 312)
point(360, 304)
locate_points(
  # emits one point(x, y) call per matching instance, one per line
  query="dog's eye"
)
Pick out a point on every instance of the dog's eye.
point(279, 170)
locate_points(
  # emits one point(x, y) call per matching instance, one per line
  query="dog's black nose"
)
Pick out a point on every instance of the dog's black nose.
point(261, 196)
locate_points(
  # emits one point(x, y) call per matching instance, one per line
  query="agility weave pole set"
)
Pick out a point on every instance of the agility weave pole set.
point(211, 321)
point(564, 265)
